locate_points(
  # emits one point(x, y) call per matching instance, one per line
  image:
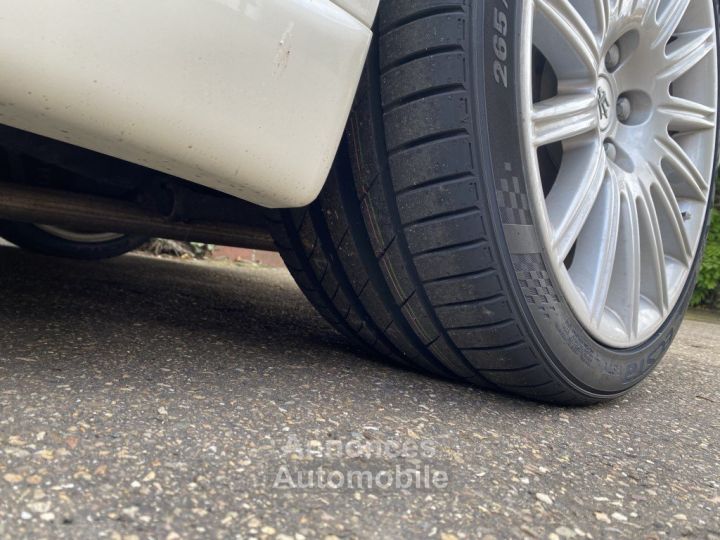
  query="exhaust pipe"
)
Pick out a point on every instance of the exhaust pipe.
point(29, 204)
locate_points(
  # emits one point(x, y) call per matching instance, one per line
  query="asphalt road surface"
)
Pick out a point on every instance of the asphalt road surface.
point(146, 398)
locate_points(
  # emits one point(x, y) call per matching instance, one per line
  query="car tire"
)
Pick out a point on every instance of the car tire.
point(59, 242)
point(427, 244)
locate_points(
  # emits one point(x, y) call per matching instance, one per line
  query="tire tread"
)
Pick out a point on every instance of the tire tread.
point(401, 223)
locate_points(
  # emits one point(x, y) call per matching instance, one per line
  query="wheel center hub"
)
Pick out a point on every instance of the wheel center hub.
point(605, 104)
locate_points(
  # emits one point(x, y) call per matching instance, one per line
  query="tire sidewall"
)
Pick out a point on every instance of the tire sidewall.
point(590, 367)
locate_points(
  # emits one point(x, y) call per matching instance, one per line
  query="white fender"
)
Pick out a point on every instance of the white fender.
point(246, 96)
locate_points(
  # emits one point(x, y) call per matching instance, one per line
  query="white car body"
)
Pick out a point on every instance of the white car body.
point(249, 97)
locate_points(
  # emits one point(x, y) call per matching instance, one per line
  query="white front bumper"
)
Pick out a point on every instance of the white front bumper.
point(246, 96)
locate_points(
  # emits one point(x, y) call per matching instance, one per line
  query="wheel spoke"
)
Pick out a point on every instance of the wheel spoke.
point(574, 29)
point(686, 52)
point(685, 115)
point(669, 20)
point(624, 294)
point(651, 12)
point(603, 10)
point(564, 117)
point(607, 249)
point(686, 170)
point(623, 8)
point(676, 241)
point(569, 205)
point(653, 277)
point(634, 267)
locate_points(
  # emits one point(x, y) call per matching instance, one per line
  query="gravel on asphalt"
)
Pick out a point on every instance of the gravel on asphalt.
point(149, 398)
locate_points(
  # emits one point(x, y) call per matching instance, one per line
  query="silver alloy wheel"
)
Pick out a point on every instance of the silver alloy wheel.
point(80, 236)
point(619, 102)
